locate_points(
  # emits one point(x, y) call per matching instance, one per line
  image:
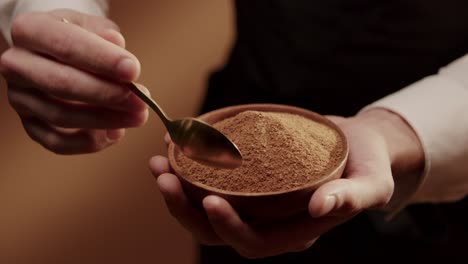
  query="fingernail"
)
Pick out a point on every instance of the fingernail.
point(329, 204)
point(211, 202)
point(115, 134)
point(127, 69)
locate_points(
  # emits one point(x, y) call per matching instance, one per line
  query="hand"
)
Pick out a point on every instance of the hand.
point(65, 80)
point(367, 184)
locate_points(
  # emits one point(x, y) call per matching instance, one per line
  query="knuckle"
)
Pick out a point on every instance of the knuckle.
point(97, 141)
point(352, 206)
point(13, 98)
point(96, 148)
point(112, 25)
point(115, 37)
point(386, 193)
point(381, 202)
point(59, 82)
point(355, 207)
point(113, 95)
point(55, 116)
point(388, 187)
point(53, 142)
point(20, 25)
point(64, 47)
point(385, 187)
point(17, 102)
point(50, 140)
point(8, 61)
point(29, 131)
point(4, 60)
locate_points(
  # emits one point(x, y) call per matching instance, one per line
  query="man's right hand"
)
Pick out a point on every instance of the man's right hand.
point(65, 75)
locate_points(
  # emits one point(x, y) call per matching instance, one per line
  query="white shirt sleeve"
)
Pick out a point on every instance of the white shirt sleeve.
point(9, 9)
point(437, 109)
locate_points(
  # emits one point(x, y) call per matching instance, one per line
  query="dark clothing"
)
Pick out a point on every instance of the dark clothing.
point(335, 57)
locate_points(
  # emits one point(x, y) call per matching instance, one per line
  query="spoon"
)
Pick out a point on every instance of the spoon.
point(196, 139)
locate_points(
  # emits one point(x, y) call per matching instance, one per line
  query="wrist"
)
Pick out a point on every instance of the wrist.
point(404, 147)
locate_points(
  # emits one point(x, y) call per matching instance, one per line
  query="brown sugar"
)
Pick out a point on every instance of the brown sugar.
point(280, 151)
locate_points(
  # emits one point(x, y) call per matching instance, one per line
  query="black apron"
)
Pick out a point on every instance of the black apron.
point(335, 57)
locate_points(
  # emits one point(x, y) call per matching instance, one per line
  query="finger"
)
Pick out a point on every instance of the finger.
point(74, 45)
point(91, 23)
point(167, 139)
point(349, 196)
point(338, 194)
point(277, 238)
point(60, 142)
point(230, 227)
point(112, 36)
point(13, 78)
point(189, 217)
point(101, 26)
point(368, 181)
point(159, 165)
point(366, 186)
point(115, 134)
point(69, 83)
point(68, 115)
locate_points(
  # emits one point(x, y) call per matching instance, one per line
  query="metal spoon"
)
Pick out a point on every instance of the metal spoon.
point(195, 138)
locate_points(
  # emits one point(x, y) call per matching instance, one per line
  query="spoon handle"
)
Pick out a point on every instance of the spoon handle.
point(151, 103)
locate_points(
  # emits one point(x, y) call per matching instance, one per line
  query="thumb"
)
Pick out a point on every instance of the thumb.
point(346, 197)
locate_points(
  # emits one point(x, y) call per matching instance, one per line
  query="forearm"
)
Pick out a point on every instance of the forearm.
point(9, 9)
point(436, 108)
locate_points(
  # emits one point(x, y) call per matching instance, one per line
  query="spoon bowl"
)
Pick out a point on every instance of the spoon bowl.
point(196, 139)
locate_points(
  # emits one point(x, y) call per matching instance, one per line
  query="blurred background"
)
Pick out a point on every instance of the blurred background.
point(105, 207)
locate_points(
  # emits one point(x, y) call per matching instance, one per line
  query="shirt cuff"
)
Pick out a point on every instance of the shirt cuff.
point(91, 7)
point(436, 108)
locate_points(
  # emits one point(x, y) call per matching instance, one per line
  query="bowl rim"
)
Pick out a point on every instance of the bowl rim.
point(265, 107)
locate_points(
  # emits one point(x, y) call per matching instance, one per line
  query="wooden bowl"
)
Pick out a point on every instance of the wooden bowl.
point(268, 206)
